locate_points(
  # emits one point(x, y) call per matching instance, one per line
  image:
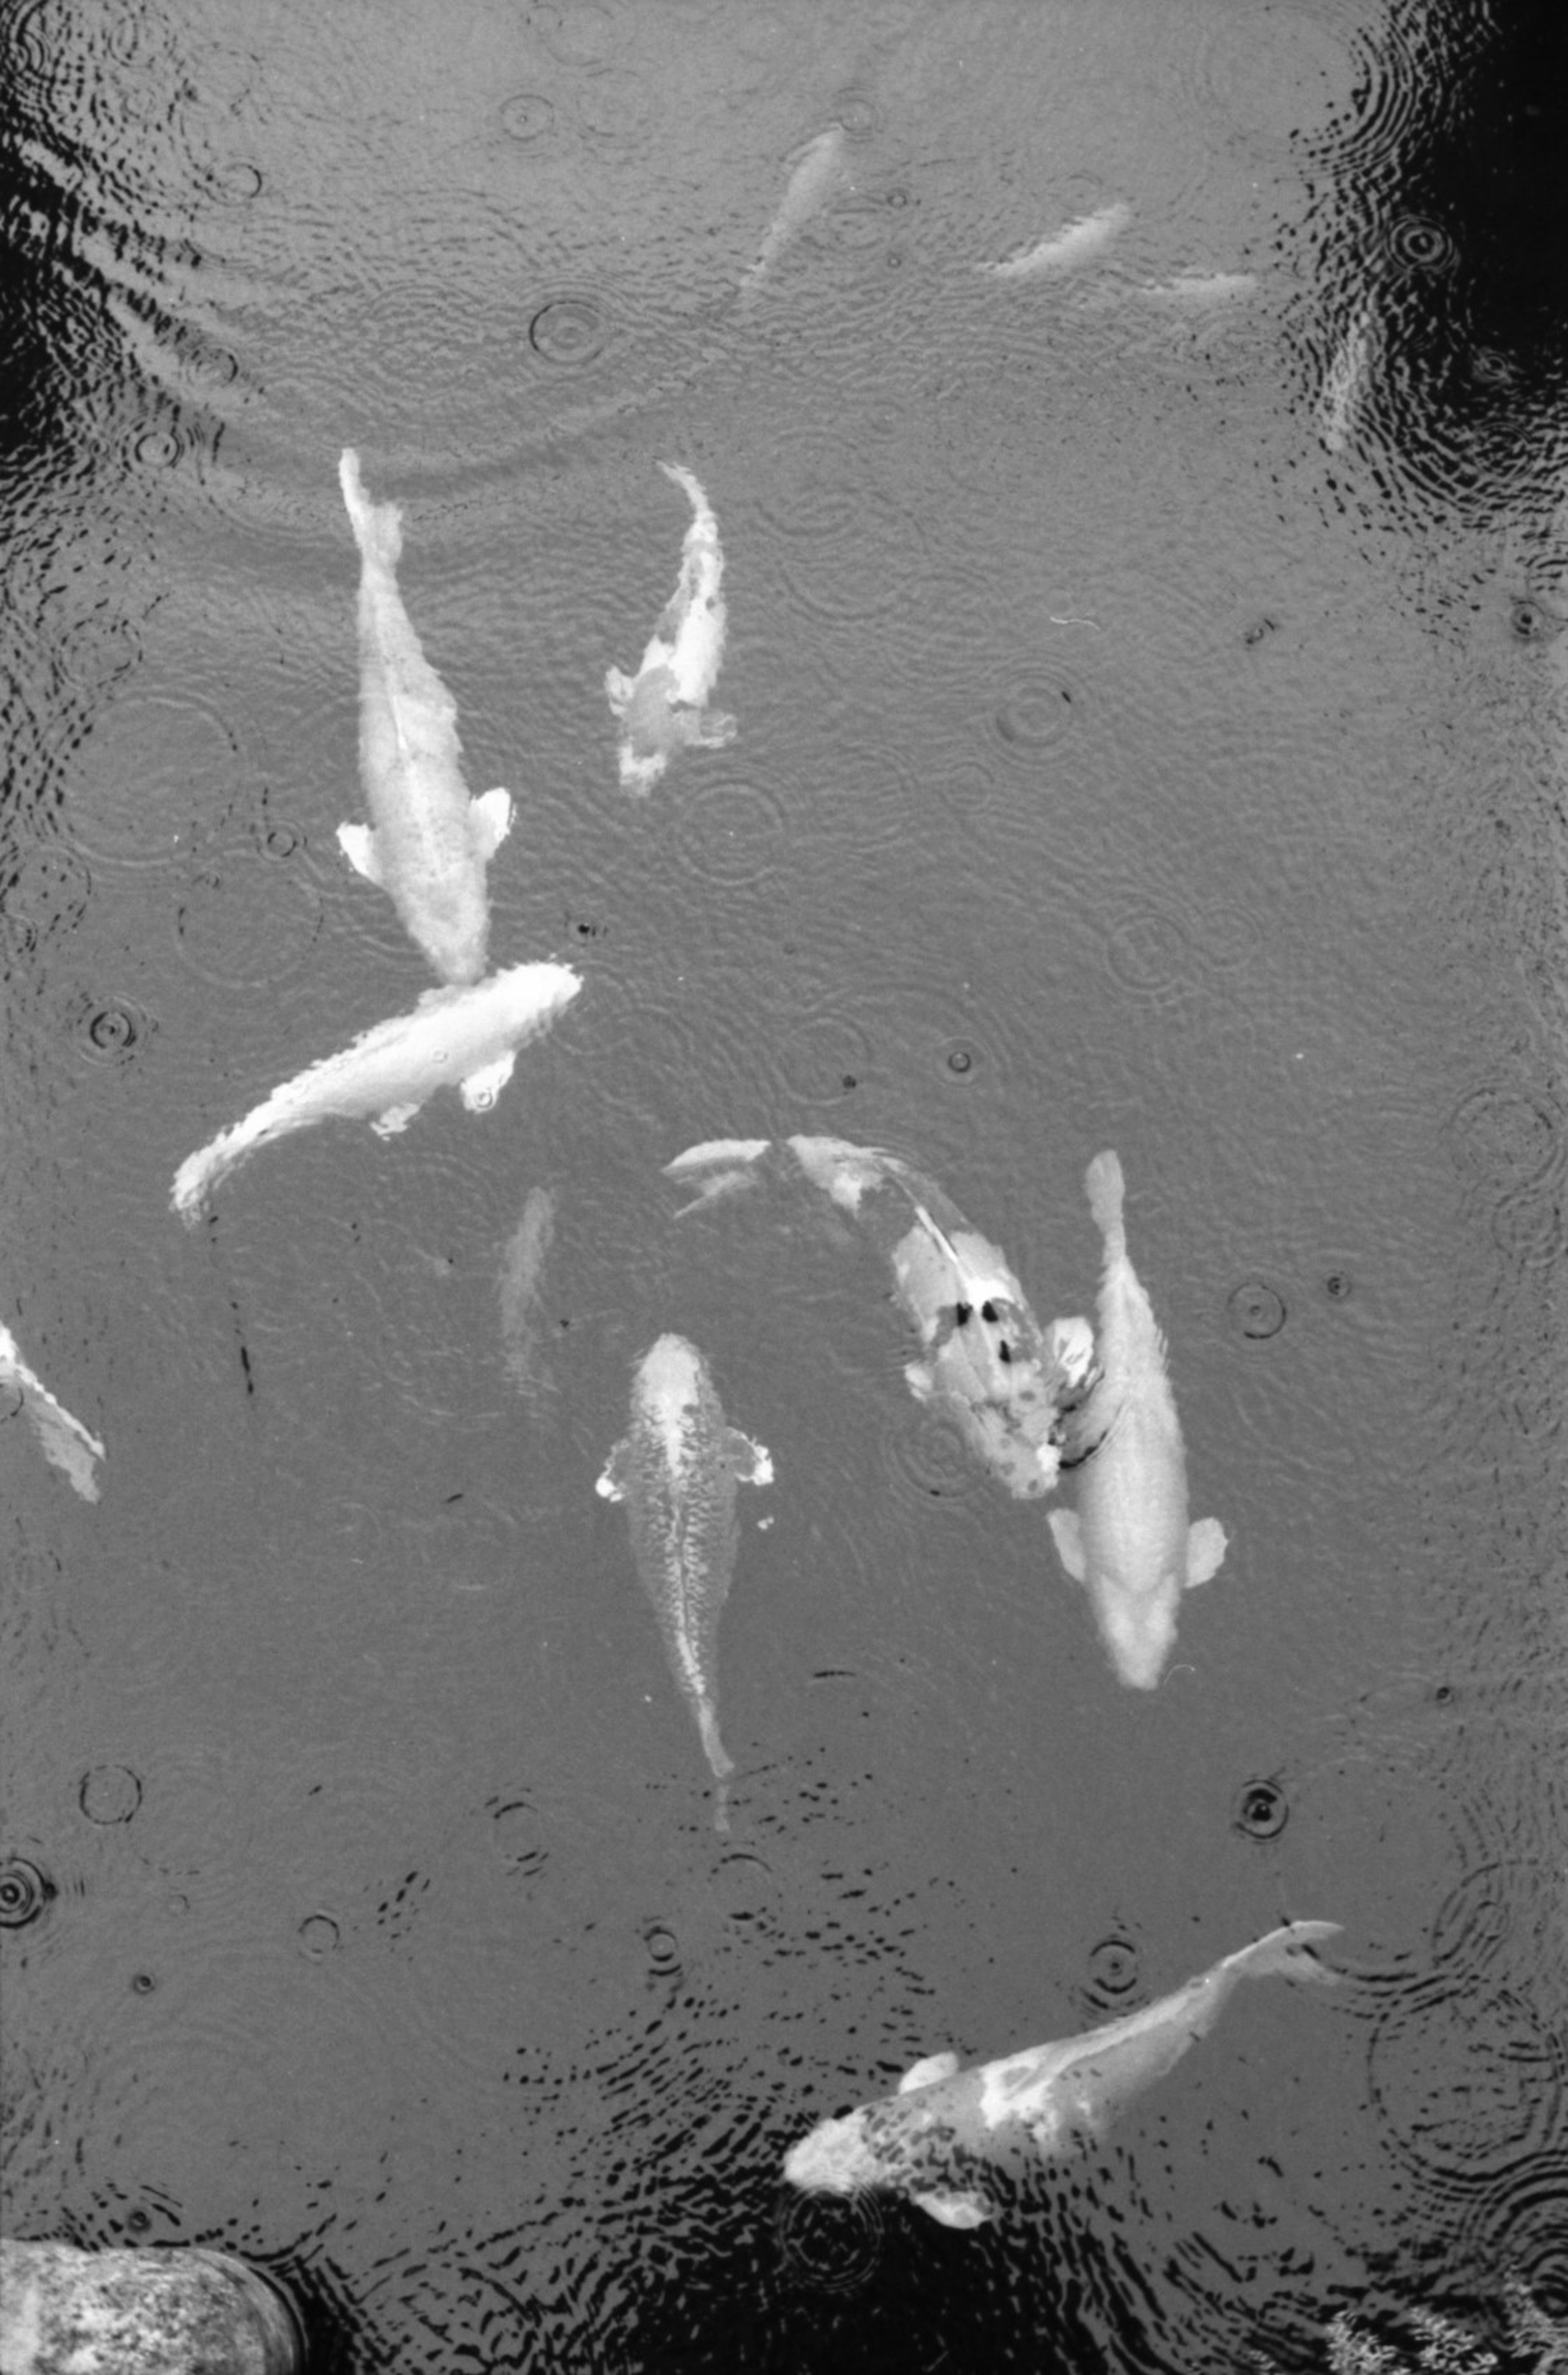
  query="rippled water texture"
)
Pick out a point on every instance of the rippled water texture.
point(1152, 716)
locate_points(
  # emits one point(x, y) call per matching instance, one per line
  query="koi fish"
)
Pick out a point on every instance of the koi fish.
point(933, 2141)
point(818, 168)
point(526, 1252)
point(428, 843)
point(678, 1470)
point(984, 1358)
point(64, 1440)
point(466, 1039)
point(661, 708)
point(1129, 1541)
point(1078, 244)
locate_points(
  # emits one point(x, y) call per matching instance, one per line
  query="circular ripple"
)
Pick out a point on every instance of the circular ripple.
point(818, 490)
point(1531, 621)
point(1528, 1228)
point(24, 1892)
point(516, 1836)
point(1469, 2085)
point(825, 1058)
point(849, 581)
point(1512, 1900)
point(1148, 951)
point(662, 1950)
point(925, 1459)
point(1416, 243)
point(1338, 1285)
point(318, 1936)
point(857, 115)
point(1112, 1968)
point(1262, 1811)
point(746, 1892)
point(234, 183)
point(1518, 2237)
point(579, 35)
point(97, 652)
point(156, 449)
point(526, 115)
point(1036, 712)
point(108, 1030)
point(149, 775)
point(731, 833)
point(828, 2244)
point(1508, 1134)
point(110, 1793)
point(245, 922)
point(1254, 1309)
point(569, 332)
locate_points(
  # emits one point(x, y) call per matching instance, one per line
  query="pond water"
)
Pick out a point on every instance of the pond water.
point(1151, 726)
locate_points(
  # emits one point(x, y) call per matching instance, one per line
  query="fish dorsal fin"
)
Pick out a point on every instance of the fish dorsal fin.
point(1068, 1536)
point(935, 2067)
point(357, 844)
point(752, 1462)
point(480, 1089)
point(612, 1485)
point(954, 2209)
point(490, 821)
point(1206, 1548)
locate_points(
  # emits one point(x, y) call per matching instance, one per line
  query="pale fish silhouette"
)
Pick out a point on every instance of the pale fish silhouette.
point(428, 844)
point(933, 2142)
point(662, 708)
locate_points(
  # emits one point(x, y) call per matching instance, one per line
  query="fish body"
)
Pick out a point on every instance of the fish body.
point(662, 708)
point(527, 1250)
point(933, 2141)
point(428, 844)
point(1342, 399)
point(1066, 250)
point(1129, 1540)
point(64, 1440)
point(677, 1470)
point(466, 1039)
point(984, 1357)
point(817, 170)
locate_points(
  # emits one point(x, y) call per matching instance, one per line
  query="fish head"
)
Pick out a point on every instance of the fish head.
point(836, 2157)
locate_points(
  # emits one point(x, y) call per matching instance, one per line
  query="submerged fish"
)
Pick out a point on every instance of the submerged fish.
point(1129, 1541)
point(678, 1470)
point(64, 1440)
point(934, 2140)
point(526, 1251)
point(1342, 399)
point(466, 1039)
point(661, 708)
point(725, 1167)
point(428, 843)
point(1008, 1383)
point(818, 168)
point(1078, 244)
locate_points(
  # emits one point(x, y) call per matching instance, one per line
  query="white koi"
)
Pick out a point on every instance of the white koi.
point(466, 1039)
point(64, 1440)
point(1129, 1541)
point(428, 844)
point(661, 709)
point(1066, 250)
point(818, 168)
point(678, 1470)
point(526, 1252)
point(935, 2139)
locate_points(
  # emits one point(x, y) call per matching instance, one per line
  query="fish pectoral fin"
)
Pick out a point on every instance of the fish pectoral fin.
point(1069, 1535)
point(714, 729)
point(396, 1119)
point(935, 2067)
point(490, 821)
point(612, 1485)
point(357, 844)
point(1206, 1548)
point(955, 2209)
point(752, 1462)
point(480, 1089)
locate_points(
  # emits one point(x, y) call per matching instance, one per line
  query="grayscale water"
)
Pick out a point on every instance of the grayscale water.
point(1153, 726)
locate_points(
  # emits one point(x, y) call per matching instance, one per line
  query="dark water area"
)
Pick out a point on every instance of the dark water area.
point(1153, 732)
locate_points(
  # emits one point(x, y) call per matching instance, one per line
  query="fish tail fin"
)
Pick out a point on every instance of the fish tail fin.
point(1103, 1186)
point(378, 527)
point(1288, 1953)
